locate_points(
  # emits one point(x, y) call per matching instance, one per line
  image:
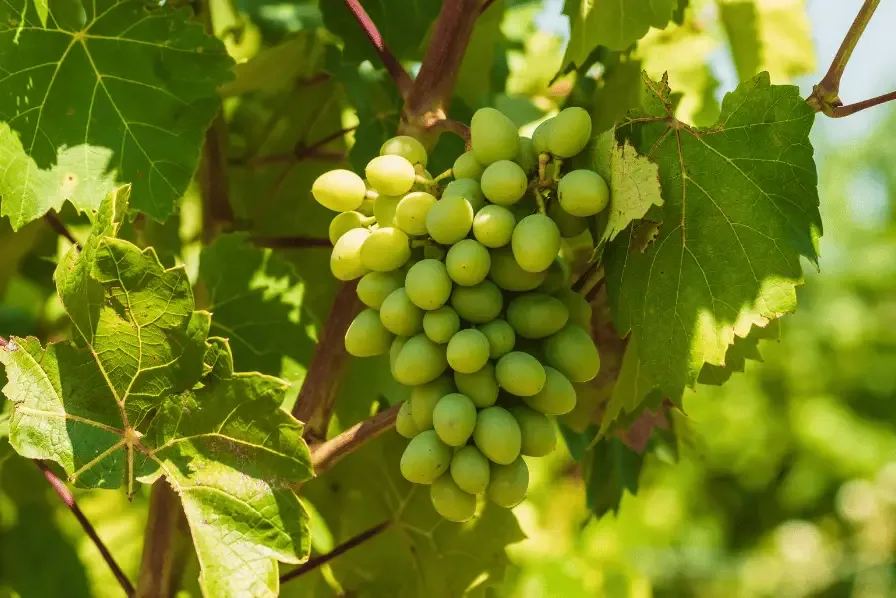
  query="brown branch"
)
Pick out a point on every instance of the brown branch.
point(290, 242)
point(56, 224)
point(485, 6)
point(841, 111)
point(452, 126)
point(393, 66)
point(69, 500)
point(213, 181)
point(3, 342)
point(323, 559)
point(158, 562)
point(327, 454)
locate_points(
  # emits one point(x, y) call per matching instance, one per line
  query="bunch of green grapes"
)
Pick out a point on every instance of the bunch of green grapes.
point(465, 290)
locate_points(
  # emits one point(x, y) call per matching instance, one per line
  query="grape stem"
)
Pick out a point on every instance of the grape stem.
point(539, 200)
point(445, 175)
point(400, 76)
point(323, 559)
point(326, 454)
point(543, 160)
point(558, 164)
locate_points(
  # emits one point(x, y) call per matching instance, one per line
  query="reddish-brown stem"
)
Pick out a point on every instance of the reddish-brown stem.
point(56, 224)
point(323, 559)
point(327, 454)
point(393, 66)
point(841, 111)
point(3, 342)
point(158, 562)
point(212, 176)
point(485, 6)
point(453, 126)
point(69, 500)
point(290, 242)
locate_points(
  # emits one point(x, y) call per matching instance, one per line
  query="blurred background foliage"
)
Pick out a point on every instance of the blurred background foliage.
point(786, 485)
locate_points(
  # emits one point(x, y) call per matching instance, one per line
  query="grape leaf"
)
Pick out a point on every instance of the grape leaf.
point(633, 391)
point(111, 91)
point(615, 24)
point(741, 207)
point(611, 470)
point(616, 92)
point(277, 68)
point(738, 353)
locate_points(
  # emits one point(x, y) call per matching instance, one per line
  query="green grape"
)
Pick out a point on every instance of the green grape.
point(404, 422)
point(469, 189)
point(441, 324)
point(520, 374)
point(366, 336)
point(583, 193)
point(431, 251)
point(569, 226)
point(394, 351)
point(450, 501)
point(539, 437)
point(344, 222)
point(493, 136)
point(481, 386)
point(454, 419)
point(535, 242)
point(527, 158)
point(570, 132)
point(411, 211)
point(468, 262)
point(493, 226)
point(557, 397)
point(507, 273)
point(424, 398)
point(374, 287)
point(556, 278)
point(391, 175)
point(407, 147)
point(541, 134)
point(578, 306)
point(466, 167)
point(428, 284)
point(425, 458)
point(386, 249)
point(537, 315)
point(470, 469)
point(572, 351)
point(501, 337)
point(467, 351)
point(497, 435)
point(384, 207)
point(508, 484)
point(399, 314)
point(420, 361)
point(339, 190)
point(345, 260)
point(477, 304)
point(504, 182)
point(450, 220)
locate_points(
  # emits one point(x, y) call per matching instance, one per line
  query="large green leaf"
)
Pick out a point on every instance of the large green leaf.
point(611, 470)
point(114, 91)
point(741, 207)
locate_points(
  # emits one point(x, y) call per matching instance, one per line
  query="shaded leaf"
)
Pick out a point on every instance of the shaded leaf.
point(611, 470)
point(738, 353)
point(474, 79)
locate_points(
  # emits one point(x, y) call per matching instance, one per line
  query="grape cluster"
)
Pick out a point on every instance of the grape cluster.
point(465, 290)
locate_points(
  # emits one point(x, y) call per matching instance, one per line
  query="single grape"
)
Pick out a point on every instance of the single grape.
point(477, 304)
point(394, 351)
point(557, 397)
point(407, 147)
point(391, 175)
point(501, 337)
point(481, 386)
point(507, 273)
point(454, 419)
point(468, 262)
point(449, 220)
point(420, 361)
point(411, 211)
point(399, 314)
point(466, 167)
point(539, 437)
point(339, 190)
point(508, 484)
point(366, 336)
point(470, 469)
point(540, 136)
point(450, 501)
point(386, 249)
point(345, 260)
point(504, 182)
point(374, 287)
point(497, 435)
point(569, 226)
point(520, 374)
point(527, 158)
point(556, 277)
point(467, 351)
point(537, 315)
point(404, 422)
point(578, 306)
point(535, 242)
point(428, 284)
point(384, 207)
point(441, 324)
point(493, 226)
point(469, 189)
point(570, 132)
point(424, 398)
point(572, 351)
point(425, 458)
point(493, 136)
point(344, 222)
point(583, 193)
